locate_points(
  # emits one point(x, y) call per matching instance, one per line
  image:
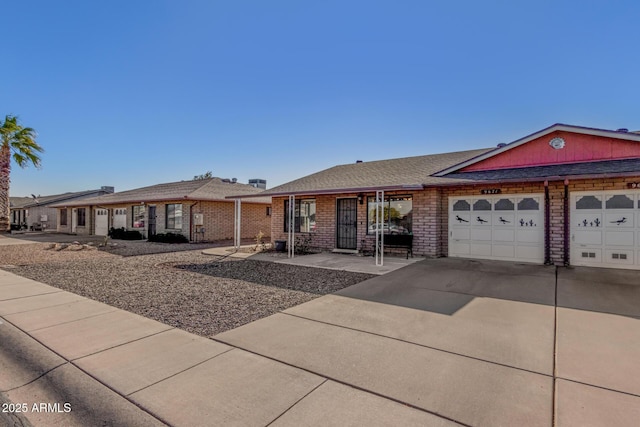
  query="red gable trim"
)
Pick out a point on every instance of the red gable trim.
point(581, 144)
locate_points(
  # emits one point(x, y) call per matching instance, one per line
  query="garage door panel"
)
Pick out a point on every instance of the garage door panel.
point(588, 237)
point(588, 220)
point(533, 253)
point(459, 248)
point(461, 234)
point(620, 219)
point(461, 218)
point(590, 255)
point(503, 220)
point(481, 249)
point(619, 256)
point(504, 235)
point(504, 251)
point(477, 234)
point(619, 238)
point(529, 236)
point(528, 220)
point(482, 220)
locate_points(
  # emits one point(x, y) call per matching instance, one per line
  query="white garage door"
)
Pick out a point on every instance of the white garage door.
point(120, 218)
point(102, 222)
point(605, 229)
point(502, 227)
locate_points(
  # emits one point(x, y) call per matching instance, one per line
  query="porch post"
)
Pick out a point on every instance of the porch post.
point(237, 223)
point(292, 227)
point(380, 227)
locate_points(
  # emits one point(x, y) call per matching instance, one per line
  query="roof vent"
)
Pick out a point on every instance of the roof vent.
point(234, 180)
point(226, 180)
point(108, 188)
point(623, 130)
point(358, 161)
point(502, 144)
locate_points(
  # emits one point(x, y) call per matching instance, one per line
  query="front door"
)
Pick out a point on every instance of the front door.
point(152, 221)
point(346, 236)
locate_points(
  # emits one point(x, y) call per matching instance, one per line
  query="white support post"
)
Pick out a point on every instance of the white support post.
point(237, 224)
point(380, 227)
point(291, 242)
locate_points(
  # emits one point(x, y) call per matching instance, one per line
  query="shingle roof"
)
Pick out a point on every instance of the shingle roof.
point(19, 202)
point(400, 173)
point(610, 167)
point(205, 189)
point(28, 202)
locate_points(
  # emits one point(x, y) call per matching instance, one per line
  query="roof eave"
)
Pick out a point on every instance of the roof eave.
point(340, 190)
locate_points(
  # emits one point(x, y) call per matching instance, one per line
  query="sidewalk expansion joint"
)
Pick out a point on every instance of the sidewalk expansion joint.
point(182, 371)
point(421, 345)
point(74, 320)
point(599, 387)
point(31, 296)
point(296, 402)
point(336, 380)
point(121, 344)
point(42, 308)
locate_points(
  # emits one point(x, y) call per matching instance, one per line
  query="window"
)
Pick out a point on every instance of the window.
point(268, 210)
point(63, 217)
point(82, 217)
point(137, 218)
point(398, 215)
point(174, 216)
point(305, 216)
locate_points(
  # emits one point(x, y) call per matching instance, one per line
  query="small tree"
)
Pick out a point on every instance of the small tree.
point(206, 175)
point(20, 142)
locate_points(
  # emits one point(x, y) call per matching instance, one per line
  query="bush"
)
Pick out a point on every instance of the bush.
point(168, 238)
point(123, 234)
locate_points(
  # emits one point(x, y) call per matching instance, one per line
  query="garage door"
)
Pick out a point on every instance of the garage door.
point(504, 227)
point(605, 230)
point(120, 218)
point(102, 222)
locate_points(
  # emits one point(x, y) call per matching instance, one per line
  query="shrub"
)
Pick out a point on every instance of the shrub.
point(123, 234)
point(168, 238)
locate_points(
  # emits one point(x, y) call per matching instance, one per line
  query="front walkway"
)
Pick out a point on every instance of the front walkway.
point(331, 261)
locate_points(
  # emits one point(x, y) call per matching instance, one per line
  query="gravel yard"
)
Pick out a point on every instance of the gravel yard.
point(202, 294)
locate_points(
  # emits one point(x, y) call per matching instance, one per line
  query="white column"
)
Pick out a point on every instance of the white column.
point(380, 227)
point(292, 227)
point(237, 223)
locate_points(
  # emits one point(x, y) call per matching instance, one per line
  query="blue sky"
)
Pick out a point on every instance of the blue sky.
point(134, 93)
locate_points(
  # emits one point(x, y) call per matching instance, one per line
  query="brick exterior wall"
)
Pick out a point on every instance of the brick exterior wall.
point(218, 219)
point(431, 214)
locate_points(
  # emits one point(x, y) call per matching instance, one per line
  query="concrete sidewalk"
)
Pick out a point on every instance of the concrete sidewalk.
point(116, 368)
point(439, 343)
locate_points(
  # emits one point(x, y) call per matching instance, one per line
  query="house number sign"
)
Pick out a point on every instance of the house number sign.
point(491, 191)
point(633, 184)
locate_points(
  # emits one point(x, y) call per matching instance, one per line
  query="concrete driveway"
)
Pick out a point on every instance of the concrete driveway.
point(467, 342)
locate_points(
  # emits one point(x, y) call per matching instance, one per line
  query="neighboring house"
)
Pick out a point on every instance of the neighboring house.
point(563, 195)
point(18, 211)
point(198, 209)
point(38, 213)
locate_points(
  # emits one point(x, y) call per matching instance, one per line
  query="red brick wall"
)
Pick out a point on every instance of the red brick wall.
point(219, 220)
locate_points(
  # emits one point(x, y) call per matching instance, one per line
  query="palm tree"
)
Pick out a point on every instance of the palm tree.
point(19, 141)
